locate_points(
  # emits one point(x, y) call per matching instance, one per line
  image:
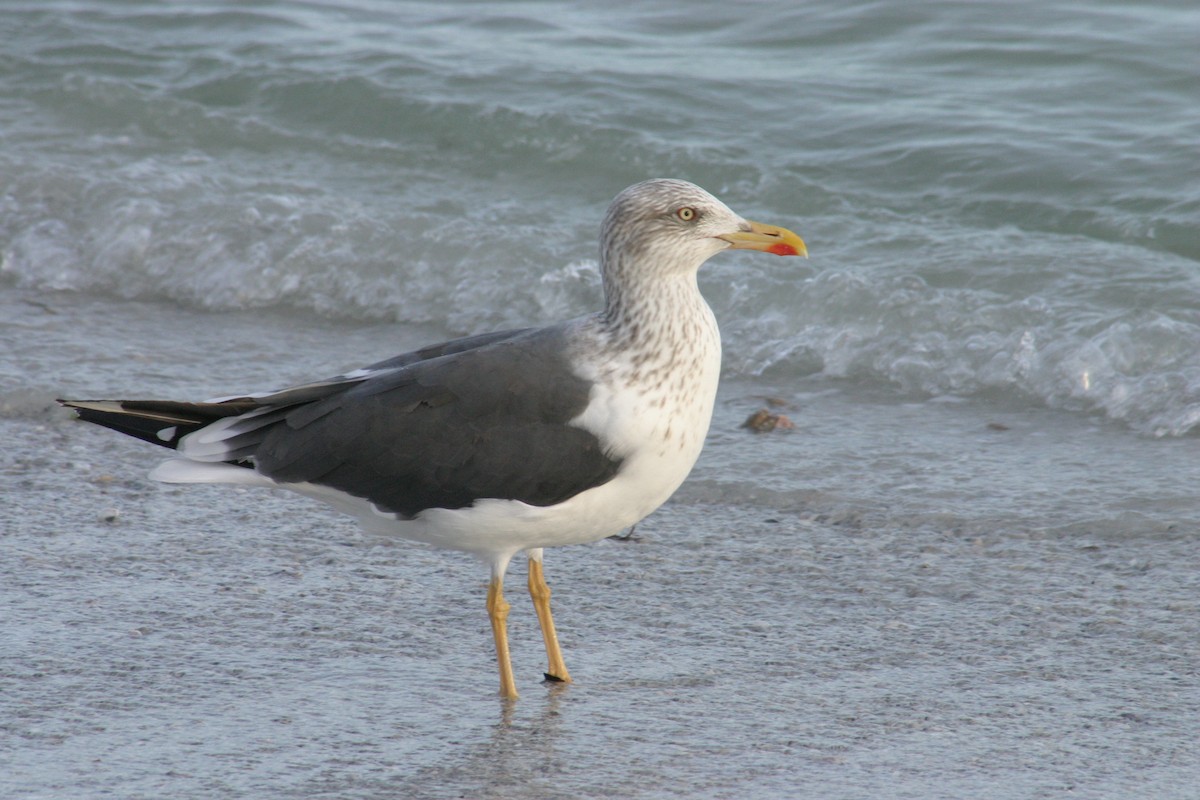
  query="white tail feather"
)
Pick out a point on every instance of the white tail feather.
point(183, 470)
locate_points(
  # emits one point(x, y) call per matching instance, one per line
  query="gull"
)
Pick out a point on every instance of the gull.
point(506, 442)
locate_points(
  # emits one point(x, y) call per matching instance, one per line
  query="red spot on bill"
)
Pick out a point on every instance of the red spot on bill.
point(782, 249)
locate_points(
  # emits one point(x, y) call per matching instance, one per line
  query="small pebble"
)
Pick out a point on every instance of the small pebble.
point(762, 421)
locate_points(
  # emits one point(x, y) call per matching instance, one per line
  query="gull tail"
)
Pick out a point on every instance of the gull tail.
point(160, 422)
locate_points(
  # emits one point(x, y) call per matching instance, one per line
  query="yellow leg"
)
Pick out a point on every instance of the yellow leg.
point(497, 608)
point(540, 592)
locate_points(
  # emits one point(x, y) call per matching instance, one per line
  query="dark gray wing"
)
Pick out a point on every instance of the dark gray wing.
point(167, 422)
point(487, 420)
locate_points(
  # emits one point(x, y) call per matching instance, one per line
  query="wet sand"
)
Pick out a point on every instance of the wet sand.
point(215, 642)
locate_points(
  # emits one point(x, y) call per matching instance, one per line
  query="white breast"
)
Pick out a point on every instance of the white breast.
point(652, 407)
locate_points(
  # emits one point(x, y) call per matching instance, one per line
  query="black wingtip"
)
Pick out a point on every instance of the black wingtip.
point(114, 415)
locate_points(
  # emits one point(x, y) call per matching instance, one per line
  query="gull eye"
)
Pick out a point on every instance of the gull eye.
point(687, 213)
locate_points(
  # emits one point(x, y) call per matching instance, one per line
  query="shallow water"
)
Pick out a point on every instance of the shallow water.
point(996, 202)
point(969, 570)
